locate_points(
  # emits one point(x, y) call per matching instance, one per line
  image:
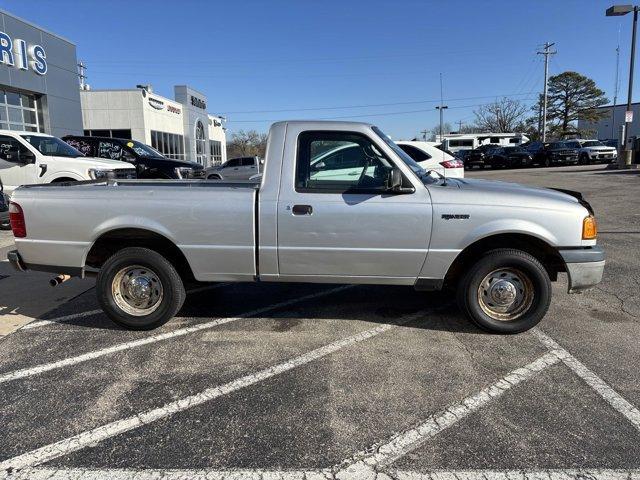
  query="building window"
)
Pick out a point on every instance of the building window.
point(20, 112)
point(216, 152)
point(171, 145)
point(126, 134)
point(201, 143)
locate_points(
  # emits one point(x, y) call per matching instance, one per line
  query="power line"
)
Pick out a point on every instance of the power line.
point(346, 107)
point(377, 114)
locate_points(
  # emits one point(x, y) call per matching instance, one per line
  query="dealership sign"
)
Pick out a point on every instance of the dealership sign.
point(17, 53)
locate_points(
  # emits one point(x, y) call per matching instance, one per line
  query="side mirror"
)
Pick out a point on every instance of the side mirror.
point(394, 180)
point(25, 156)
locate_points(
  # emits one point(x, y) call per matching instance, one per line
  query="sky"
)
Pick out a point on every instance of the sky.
point(371, 61)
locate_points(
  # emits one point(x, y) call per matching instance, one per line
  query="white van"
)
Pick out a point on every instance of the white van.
point(28, 158)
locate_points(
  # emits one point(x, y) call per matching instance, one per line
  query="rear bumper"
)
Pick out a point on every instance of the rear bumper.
point(16, 261)
point(585, 267)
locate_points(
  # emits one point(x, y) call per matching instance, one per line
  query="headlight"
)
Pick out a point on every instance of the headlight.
point(99, 174)
point(589, 228)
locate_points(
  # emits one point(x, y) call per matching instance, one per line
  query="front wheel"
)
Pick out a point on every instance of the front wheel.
point(506, 291)
point(139, 289)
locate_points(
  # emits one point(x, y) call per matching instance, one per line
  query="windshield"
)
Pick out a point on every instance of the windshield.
point(593, 143)
point(52, 146)
point(411, 163)
point(142, 150)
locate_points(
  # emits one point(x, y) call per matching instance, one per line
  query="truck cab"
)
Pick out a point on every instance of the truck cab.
point(31, 158)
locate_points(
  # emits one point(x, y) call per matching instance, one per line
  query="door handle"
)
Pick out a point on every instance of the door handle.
point(302, 210)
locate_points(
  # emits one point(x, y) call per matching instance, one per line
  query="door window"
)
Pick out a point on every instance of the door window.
point(82, 145)
point(248, 162)
point(11, 149)
point(415, 153)
point(110, 150)
point(338, 162)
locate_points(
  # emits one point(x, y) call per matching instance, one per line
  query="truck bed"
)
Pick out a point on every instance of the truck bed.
point(212, 222)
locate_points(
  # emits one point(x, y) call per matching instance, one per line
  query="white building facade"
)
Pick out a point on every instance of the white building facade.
point(180, 128)
point(609, 127)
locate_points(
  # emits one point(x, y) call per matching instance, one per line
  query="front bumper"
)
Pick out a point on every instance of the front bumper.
point(585, 267)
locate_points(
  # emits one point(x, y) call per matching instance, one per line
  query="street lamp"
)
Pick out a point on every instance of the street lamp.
point(441, 108)
point(624, 161)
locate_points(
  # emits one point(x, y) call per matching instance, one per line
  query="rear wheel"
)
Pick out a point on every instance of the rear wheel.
point(139, 289)
point(506, 291)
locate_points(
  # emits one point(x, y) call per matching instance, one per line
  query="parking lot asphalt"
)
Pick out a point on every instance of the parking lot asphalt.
point(322, 381)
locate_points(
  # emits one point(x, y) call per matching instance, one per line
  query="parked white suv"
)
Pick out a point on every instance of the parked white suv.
point(593, 151)
point(29, 158)
point(430, 157)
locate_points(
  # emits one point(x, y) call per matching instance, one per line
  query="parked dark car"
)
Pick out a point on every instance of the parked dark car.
point(4, 210)
point(553, 154)
point(149, 162)
point(509, 157)
point(476, 157)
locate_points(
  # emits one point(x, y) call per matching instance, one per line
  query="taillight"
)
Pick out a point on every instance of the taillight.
point(452, 164)
point(16, 217)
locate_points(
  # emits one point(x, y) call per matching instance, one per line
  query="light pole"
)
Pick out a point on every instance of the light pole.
point(624, 161)
point(441, 108)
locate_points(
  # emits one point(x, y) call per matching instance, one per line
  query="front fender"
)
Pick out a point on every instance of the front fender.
point(509, 225)
point(51, 176)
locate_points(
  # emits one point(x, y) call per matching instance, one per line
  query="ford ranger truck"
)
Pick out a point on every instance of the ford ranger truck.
point(28, 158)
point(320, 216)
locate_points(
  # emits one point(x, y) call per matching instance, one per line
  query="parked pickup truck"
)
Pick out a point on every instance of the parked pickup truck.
point(27, 158)
point(371, 218)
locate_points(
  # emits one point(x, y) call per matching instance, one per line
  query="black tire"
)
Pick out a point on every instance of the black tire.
point(535, 281)
point(172, 288)
point(584, 159)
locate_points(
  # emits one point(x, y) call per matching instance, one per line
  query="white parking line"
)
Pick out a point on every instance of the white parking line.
point(42, 473)
point(89, 313)
point(612, 397)
point(96, 435)
point(45, 367)
point(379, 456)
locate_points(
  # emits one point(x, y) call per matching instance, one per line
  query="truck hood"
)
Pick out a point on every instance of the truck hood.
point(493, 192)
point(93, 162)
point(600, 149)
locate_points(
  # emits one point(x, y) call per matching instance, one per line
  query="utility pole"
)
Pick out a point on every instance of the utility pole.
point(459, 122)
point(82, 76)
point(615, 89)
point(546, 52)
point(424, 134)
point(441, 107)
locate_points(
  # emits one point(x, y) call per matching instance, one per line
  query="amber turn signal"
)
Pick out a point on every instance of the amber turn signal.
point(589, 228)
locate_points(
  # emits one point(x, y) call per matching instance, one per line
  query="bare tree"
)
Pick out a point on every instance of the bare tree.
point(247, 144)
point(501, 116)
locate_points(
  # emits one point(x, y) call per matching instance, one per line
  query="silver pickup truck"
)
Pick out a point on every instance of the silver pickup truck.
point(338, 202)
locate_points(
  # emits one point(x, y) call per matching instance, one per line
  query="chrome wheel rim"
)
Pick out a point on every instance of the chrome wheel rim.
point(137, 290)
point(505, 294)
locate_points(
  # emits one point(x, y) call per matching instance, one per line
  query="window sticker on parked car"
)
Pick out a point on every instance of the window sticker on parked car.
point(140, 151)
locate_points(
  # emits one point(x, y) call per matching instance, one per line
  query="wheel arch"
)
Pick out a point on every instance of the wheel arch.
point(540, 249)
point(111, 241)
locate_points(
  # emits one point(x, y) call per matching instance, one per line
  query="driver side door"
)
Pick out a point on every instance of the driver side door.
point(337, 222)
point(13, 169)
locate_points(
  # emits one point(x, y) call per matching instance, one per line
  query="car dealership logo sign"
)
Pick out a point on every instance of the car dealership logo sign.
point(16, 53)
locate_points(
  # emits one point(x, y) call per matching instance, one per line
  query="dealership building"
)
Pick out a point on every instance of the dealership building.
point(38, 79)
point(179, 128)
